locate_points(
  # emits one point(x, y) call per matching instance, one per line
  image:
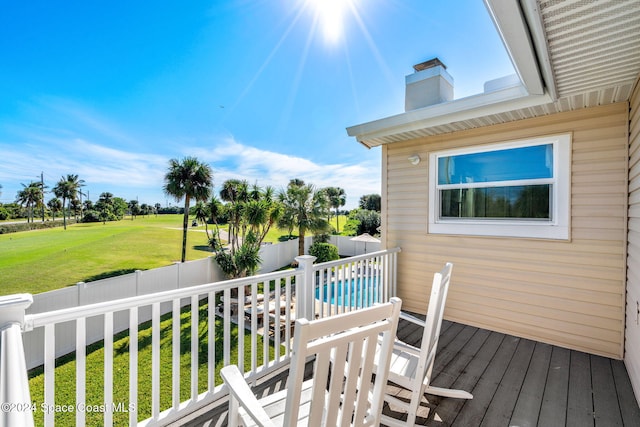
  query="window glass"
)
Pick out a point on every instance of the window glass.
point(500, 165)
point(522, 201)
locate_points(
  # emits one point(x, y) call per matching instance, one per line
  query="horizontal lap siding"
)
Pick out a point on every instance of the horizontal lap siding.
point(632, 342)
point(568, 293)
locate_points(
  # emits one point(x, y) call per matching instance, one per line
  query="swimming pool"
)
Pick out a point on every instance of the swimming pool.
point(354, 292)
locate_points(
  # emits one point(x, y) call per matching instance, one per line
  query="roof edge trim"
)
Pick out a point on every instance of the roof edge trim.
point(471, 107)
point(510, 23)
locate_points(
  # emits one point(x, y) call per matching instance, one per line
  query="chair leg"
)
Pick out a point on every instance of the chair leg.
point(232, 415)
point(447, 392)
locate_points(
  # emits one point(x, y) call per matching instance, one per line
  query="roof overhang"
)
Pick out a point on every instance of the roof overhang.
point(400, 127)
point(567, 56)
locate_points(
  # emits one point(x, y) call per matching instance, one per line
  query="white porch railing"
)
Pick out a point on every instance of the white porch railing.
point(252, 331)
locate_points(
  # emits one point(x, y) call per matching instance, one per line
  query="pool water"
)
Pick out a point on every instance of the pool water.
point(354, 293)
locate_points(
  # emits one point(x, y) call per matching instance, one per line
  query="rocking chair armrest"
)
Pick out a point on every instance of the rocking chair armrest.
point(409, 318)
point(241, 392)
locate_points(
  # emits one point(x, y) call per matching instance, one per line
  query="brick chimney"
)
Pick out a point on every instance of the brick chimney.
point(430, 84)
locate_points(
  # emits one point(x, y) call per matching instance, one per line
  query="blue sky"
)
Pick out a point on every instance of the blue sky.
point(260, 89)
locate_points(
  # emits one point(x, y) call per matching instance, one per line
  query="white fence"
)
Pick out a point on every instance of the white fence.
point(172, 277)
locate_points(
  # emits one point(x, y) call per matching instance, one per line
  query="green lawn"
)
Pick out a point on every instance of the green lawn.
point(44, 260)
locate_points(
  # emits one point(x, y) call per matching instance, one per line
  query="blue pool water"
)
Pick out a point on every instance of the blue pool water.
point(354, 293)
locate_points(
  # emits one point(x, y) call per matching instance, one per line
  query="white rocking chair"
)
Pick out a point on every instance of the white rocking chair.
point(411, 366)
point(334, 396)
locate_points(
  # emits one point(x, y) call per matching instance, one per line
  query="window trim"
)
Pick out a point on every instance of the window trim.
point(556, 228)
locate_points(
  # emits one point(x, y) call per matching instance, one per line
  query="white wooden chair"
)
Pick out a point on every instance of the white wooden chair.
point(411, 366)
point(333, 396)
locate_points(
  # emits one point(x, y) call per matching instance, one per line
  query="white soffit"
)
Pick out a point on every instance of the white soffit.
point(587, 54)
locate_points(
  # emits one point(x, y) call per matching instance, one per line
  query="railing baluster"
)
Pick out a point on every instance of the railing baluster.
point(49, 372)
point(195, 320)
point(278, 326)
point(155, 360)
point(266, 321)
point(287, 315)
point(240, 322)
point(133, 365)
point(211, 342)
point(175, 353)
point(226, 323)
point(254, 326)
point(81, 374)
point(108, 368)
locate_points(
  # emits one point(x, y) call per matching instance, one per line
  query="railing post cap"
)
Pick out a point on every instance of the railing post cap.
point(12, 308)
point(16, 301)
point(305, 259)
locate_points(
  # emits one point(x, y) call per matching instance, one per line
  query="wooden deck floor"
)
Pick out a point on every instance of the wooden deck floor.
point(514, 381)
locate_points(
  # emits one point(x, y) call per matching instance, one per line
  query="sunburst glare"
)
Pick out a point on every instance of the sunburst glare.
point(330, 15)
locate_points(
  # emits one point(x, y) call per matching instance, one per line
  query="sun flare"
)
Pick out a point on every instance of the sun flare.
point(330, 15)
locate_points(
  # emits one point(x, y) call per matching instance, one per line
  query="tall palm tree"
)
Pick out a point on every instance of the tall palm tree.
point(30, 196)
point(337, 198)
point(188, 179)
point(236, 193)
point(67, 189)
point(304, 208)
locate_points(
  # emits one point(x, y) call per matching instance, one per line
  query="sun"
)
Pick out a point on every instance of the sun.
point(330, 16)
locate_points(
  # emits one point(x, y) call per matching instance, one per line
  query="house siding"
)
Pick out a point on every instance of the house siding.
point(564, 292)
point(632, 342)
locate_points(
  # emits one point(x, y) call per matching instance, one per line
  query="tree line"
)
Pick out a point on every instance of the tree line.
point(67, 202)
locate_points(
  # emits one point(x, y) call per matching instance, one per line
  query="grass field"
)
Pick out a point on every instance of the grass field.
point(44, 260)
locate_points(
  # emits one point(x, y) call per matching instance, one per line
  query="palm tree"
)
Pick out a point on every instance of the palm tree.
point(201, 212)
point(251, 212)
point(55, 205)
point(105, 207)
point(304, 208)
point(337, 198)
point(67, 189)
point(188, 179)
point(30, 196)
point(134, 208)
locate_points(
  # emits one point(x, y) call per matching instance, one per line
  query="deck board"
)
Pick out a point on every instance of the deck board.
point(515, 382)
point(605, 396)
point(553, 411)
point(504, 401)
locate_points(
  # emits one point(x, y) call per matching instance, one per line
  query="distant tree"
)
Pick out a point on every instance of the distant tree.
point(370, 202)
point(337, 199)
point(201, 213)
point(105, 207)
point(67, 189)
point(55, 205)
point(76, 207)
point(30, 196)
point(134, 208)
point(305, 208)
point(88, 205)
point(188, 179)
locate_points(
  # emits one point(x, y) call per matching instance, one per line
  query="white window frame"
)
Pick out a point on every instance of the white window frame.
point(557, 227)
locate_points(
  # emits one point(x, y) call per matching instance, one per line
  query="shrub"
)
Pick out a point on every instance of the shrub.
point(324, 252)
point(4, 214)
